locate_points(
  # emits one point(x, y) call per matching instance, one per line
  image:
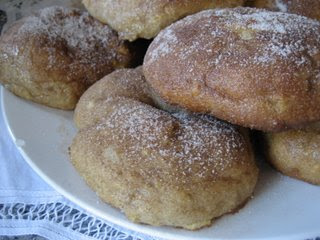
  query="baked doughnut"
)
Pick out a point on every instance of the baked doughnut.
point(144, 19)
point(296, 153)
point(53, 56)
point(159, 168)
point(248, 66)
point(308, 8)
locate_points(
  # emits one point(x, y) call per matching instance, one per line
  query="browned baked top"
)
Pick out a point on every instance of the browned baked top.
point(55, 29)
point(52, 56)
point(251, 67)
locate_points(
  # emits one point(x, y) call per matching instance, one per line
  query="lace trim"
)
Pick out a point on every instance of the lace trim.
point(64, 216)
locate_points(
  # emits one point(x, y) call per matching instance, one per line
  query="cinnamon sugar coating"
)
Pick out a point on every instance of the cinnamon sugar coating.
point(52, 57)
point(144, 19)
point(251, 67)
point(307, 8)
point(177, 169)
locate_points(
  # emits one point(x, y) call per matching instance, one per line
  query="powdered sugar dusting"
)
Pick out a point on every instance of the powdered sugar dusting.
point(167, 145)
point(277, 36)
point(67, 42)
point(164, 47)
point(233, 63)
point(73, 34)
point(73, 26)
point(281, 6)
point(257, 21)
point(186, 144)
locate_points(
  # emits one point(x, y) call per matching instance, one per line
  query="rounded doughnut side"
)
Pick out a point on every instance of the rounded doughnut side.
point(296, 153)
point(251, 67)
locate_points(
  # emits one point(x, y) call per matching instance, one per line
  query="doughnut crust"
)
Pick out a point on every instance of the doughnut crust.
point(144, 19)
point(296, 153)
point(308, 8)
point(53, 56)
point(159, 168)
point(250, 67)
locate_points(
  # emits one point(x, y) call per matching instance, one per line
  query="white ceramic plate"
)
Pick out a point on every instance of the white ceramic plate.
point(282, 208)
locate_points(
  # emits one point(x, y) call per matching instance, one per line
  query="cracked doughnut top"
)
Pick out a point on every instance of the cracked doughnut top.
point(251, 67)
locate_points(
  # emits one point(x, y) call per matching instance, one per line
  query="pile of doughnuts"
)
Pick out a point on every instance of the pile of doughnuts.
point(158, 141)
point(295, 152)
point(250, 67)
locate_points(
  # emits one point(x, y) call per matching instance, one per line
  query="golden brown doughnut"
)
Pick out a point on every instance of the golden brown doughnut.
point(308, 8)
point(296, 153)
point(54, 55)
point(159, 168)
point(251, 67)
point(144, 19)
